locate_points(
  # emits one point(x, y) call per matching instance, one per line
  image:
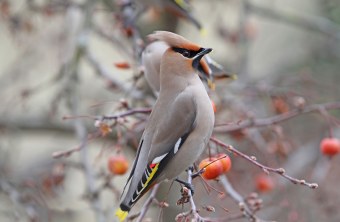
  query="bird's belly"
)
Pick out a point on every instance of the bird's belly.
point(185, 157)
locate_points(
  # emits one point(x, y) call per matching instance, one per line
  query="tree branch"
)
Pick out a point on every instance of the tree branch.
point(148, 203)
point(313, 23)
point(106, 74)
point(261, 122)
point(246, 211)
point(125, 114)
point(279, 171)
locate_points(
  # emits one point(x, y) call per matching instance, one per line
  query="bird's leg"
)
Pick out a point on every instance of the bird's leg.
point(191, 168)
point(194, 175)
point(187, 185)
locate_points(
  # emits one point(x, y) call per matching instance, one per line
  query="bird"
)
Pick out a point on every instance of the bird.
point(209, 70)
point(180, 8)
point(179, 126)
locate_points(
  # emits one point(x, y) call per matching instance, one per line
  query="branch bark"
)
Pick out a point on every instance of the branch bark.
point(266, 169)
point(262, 122)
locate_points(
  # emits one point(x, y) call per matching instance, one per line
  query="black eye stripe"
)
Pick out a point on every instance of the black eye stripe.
point(187, 53)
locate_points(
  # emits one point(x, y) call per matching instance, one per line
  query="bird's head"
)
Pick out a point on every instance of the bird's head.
point(182, 55)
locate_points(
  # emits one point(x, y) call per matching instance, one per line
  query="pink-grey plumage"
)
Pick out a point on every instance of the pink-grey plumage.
point(180, 124)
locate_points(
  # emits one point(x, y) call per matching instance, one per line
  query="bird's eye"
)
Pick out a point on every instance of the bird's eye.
point(186, 53)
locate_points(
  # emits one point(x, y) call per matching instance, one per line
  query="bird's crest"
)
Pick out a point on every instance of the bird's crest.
point(173, 40)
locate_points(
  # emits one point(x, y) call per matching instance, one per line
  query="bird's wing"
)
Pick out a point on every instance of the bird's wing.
point(170, 127)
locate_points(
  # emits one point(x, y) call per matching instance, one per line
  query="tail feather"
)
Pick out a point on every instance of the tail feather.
point(121, 214)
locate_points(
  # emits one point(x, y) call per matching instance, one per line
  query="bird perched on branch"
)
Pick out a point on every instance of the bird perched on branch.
point(209, 70)
point(180, 124)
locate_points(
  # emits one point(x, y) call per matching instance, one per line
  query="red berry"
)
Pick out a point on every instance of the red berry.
point(225, 161)
point(118, 164)
point(213, 170)
point(122, 65)
point(264, 183)
point(330, 146)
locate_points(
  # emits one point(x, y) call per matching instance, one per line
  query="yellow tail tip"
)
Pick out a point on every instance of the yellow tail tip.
point(234, 77)
point(203, 32)
point(211, 85)
point(121, 214)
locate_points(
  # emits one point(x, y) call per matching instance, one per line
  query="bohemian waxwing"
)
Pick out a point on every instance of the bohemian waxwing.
point(179, 126)
point(209, 70)
point(180, 8)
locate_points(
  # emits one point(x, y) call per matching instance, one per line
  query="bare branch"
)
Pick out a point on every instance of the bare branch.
point(246, 211)
point(313, 23)
point(279, 171)
point(124, 114)
point(148, 203)
point(194, 211)
point(261, 122)
point(105, 73)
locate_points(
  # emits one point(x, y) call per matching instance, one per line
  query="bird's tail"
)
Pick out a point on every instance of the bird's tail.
point(122, 212)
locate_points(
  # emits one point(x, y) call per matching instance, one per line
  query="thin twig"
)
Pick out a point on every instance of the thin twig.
point(193, 211)
point(74, 99)
point(124, 114)
point(313, 23)
point(261, 122)
point(148, 203)
point(238, 198)
point(66, 153)
point(105, 73)
point(279, 171)
point(114, 41)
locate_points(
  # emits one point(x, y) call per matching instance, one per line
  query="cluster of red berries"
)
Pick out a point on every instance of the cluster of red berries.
point(215, 166)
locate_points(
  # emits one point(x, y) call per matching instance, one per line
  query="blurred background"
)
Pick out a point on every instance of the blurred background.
point(65, 64)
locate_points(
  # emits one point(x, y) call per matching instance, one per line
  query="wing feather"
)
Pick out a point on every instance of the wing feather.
point(165, 133)
point(155, 168)
point(133, 167)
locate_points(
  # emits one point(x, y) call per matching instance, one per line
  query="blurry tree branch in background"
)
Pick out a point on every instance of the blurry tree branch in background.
point(313, 23)
point(261, 122)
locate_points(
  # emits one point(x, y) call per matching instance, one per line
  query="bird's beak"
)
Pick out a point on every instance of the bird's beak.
point(198, 57)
